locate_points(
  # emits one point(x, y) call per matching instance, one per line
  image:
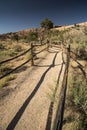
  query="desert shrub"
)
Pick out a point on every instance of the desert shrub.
point(1, 46)
point(85, 30)
point(5, 81)
point(77, 26)
point(47, 24)
point(80, 49)
point(4, 69)
point(82, 53)
point(33, 36)
point(15, 37)
point(3, 55)
point(77, 93)
point(12, 53)
point(17, 48)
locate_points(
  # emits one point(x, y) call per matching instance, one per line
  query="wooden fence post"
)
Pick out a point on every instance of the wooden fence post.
point(68, 48)
point(47, 44)
point(68, 53)
point(58, 122)
point(32, 60)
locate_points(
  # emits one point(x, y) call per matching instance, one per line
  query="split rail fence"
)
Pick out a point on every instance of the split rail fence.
point(31, 59)
point(58, 122)
point(60, 111)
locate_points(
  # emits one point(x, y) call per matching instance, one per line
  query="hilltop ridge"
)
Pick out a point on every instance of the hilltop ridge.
point(24, 33)
point(56, 27)
point(72, 25)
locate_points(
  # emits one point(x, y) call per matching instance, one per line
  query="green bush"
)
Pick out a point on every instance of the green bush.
point(33, 36)
point(15, 37)
point(78, 92)
point(1, 46)
point(78, 99)
point(81, 51)
point(47, 24)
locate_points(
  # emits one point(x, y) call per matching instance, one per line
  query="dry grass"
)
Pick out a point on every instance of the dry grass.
point(5, 81)
point(76, 101)
point(9, 49)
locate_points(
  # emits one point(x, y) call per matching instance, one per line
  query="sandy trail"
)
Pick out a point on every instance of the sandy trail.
point(27, 107)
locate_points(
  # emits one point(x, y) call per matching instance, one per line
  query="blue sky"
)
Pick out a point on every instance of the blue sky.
point(21, 14)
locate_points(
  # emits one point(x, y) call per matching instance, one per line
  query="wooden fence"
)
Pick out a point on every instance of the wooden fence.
point(60, 110)
point(31, 59)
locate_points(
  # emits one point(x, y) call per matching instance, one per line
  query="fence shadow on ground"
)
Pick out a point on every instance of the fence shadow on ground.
point(18, 115)
point(15, 69)
point(50, 113)
point(21, 69)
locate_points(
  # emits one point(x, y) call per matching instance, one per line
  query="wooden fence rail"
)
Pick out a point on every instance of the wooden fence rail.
point(58, 122)
point(5, 61)
point(30, 59)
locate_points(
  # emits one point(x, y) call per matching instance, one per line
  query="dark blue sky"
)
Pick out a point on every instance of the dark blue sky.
point(21, 14)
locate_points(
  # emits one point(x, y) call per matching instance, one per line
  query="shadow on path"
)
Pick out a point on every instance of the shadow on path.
point(50, 113)
point(18, 115)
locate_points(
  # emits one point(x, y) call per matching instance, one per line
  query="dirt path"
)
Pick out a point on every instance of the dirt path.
point(27, 107)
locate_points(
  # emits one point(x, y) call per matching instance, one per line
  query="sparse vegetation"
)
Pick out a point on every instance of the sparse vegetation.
point(18, 48)
point(9, 49)
point(33, 36)
point(4, 69)
point(75, 117)
point(1, 47)
point(4, 82)
point(15, 37)
point(76, 104)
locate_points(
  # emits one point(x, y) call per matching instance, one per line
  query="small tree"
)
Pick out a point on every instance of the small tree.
point(15, 37)
point(46, 23)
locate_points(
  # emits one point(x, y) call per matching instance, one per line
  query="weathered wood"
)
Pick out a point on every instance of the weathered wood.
point(32, 60)
point(58, 122)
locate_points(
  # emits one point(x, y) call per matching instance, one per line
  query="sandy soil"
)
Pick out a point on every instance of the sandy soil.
point(26, 107)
